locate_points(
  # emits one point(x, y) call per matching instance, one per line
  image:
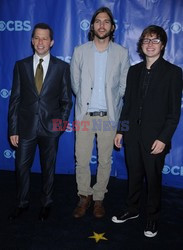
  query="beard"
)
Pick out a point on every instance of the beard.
point(102, 36)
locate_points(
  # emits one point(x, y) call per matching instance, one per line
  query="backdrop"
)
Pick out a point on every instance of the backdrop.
point(70, 21)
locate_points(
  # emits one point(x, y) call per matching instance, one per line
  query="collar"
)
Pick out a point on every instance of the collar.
point(96, 50)
point(45, 58)
point(155, 64)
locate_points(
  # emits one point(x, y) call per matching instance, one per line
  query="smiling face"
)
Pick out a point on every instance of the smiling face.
point(102, 26)
point(152, 50)
point(42, 42)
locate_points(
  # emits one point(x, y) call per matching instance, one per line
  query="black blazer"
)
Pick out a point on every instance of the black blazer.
point(31, 113)
point(161, 107)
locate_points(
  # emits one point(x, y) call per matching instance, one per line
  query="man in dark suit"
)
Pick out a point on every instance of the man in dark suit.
point(40, 93)
point(152, 107)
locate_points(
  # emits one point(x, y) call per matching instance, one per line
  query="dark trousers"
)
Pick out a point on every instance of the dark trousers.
point(140, 164)
point(48, 147)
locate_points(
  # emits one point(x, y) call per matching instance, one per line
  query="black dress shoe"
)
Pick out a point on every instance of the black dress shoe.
point(17, 212)
point(124, 217)
point(151, 228)
point(44, 213)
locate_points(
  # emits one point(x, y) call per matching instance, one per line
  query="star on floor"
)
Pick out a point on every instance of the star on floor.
point(98, 237)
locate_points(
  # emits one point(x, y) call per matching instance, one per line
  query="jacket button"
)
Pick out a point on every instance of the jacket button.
point(87, 103)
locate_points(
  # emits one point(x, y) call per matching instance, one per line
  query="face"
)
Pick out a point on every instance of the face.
point(102, 26)
point(42, 42)
point(150, 49)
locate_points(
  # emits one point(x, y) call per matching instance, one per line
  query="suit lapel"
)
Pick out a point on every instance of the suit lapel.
point(91, 65)
point(91, 61)
point(29, 69)
point(138, 78)
point(110, 61)
point(49, 74)
point(30, 72)
point(156, 78)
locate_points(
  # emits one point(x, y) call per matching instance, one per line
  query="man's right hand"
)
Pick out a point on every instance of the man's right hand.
point(117, 140)
point(14, 140)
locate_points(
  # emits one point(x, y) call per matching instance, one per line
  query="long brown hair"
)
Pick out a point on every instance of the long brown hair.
point(109, 13)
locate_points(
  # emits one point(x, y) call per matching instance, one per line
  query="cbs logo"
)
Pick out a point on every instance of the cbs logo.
point(176, 27)
point(16, 25)
point(9, 154)
point(4, 93)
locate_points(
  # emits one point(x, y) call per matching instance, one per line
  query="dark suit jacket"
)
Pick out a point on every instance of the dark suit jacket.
point(161, 107)
point(30, 113)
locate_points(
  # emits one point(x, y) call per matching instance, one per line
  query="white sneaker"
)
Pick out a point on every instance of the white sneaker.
point(124, 217)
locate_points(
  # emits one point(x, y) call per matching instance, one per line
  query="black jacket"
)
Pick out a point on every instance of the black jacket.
point(31, 113)
point(161, 107)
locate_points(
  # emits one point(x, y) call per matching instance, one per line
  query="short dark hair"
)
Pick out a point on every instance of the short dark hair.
point(152, 29)
point(43, 26)
point(109, 13)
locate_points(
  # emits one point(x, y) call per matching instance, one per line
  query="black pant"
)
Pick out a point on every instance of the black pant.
point(48, 147)
point(140, 164)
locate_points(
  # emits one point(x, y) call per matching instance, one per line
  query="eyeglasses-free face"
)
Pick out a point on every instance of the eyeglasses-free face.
point(154, 41)
point(102, 26)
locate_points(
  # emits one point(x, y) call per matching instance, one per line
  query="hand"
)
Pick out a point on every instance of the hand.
point(157, 147)
point(117, 140)
point(14, 140)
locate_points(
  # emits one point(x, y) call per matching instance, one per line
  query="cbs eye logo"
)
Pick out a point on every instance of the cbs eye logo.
point(5, 93)
point(85, 24)
point(176, 27)
point(9, 154)
point(166, 169)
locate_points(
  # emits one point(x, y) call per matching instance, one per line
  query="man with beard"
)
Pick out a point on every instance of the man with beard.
point(98, 73)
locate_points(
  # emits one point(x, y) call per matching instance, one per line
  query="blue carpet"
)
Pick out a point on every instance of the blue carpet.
point(62, 232)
